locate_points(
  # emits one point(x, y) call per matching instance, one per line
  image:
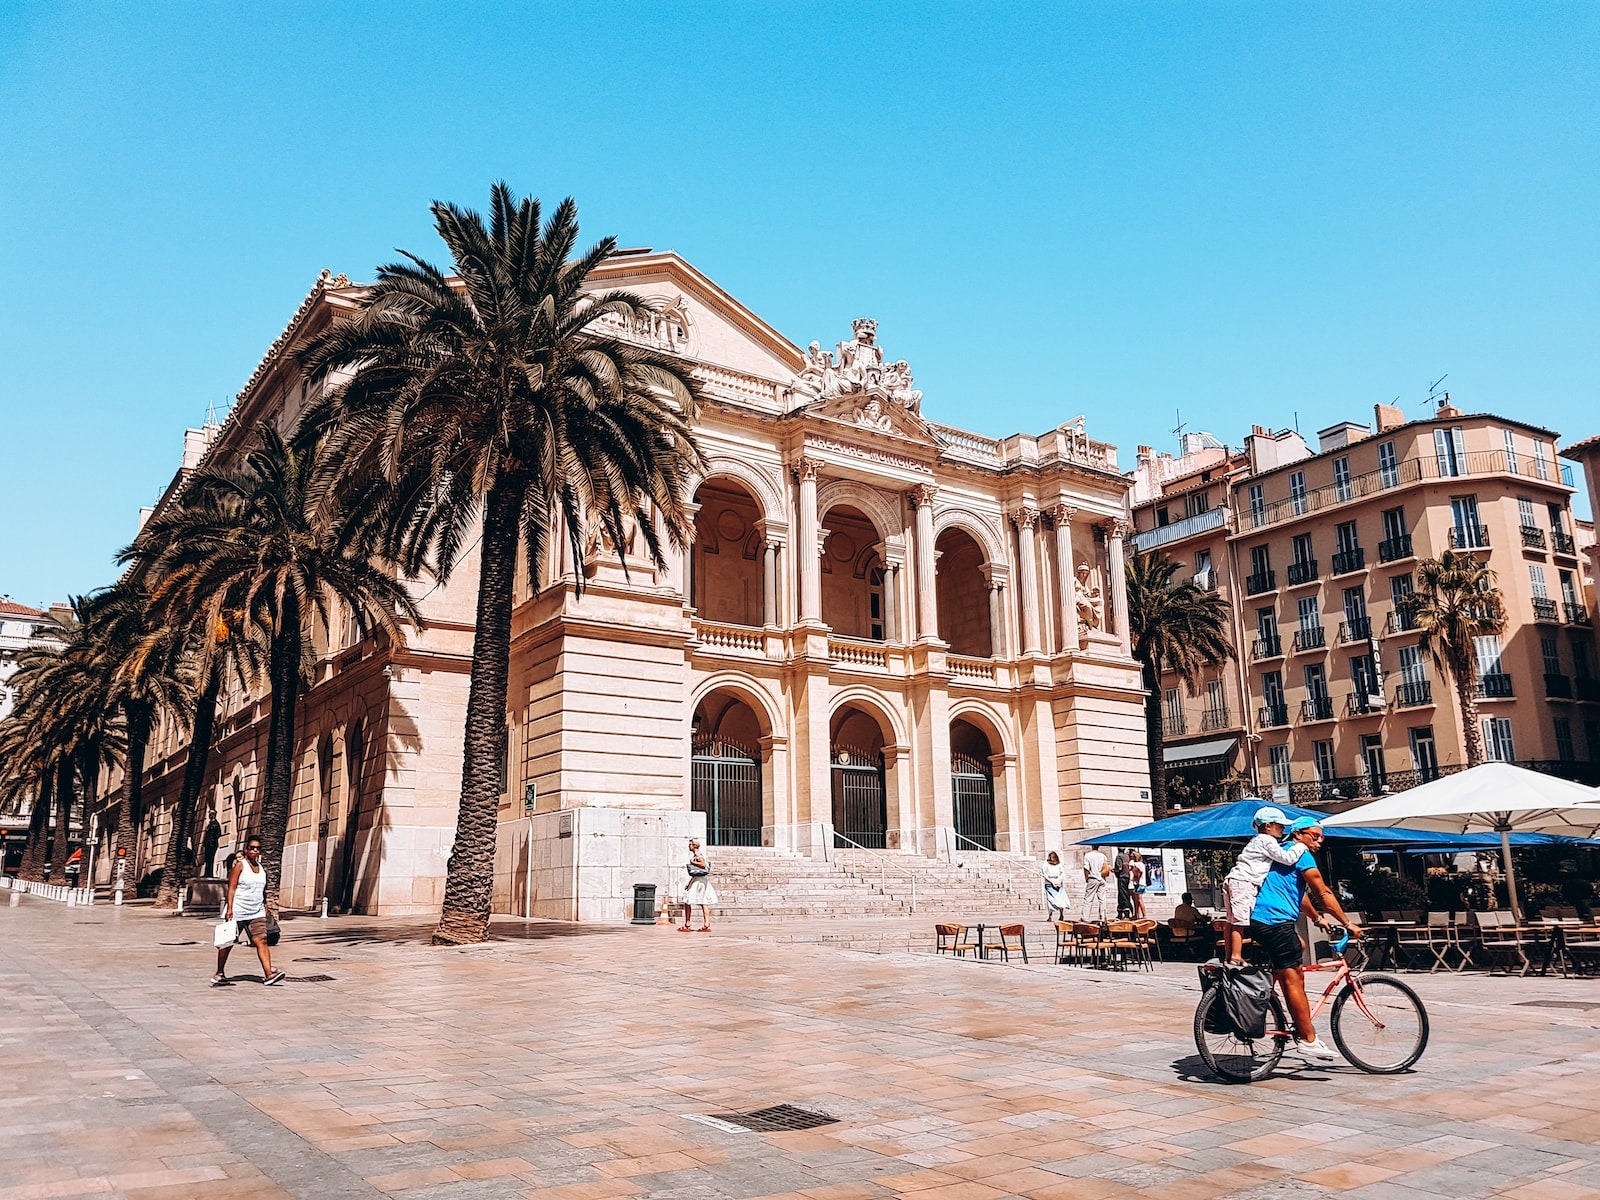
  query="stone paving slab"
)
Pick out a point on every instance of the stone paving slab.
point(570, 1062)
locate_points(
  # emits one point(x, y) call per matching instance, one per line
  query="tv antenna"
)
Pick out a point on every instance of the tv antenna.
point(1433, 388)
point(1177, 430)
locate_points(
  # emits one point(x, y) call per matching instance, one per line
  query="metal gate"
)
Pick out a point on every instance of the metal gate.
point(726, 786)
point(859, 810)
point(972, 787)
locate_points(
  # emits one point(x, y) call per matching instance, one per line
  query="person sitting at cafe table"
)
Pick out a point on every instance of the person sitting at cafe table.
point(1186, 913)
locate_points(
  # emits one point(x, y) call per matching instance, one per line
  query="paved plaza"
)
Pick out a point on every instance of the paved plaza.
point(571, 1062)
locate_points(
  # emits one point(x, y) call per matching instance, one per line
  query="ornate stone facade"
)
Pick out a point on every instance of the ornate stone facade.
point(874, 638)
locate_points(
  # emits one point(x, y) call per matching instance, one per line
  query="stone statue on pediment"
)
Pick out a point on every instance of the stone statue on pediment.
point(857, 367)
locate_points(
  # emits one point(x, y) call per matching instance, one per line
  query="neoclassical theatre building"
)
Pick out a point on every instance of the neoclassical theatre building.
point(888, 633)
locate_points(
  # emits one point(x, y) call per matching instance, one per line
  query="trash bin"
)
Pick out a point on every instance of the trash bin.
point(644, 904)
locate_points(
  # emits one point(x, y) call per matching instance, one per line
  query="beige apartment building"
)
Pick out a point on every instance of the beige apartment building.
point(1330, 695)
point(888, 633)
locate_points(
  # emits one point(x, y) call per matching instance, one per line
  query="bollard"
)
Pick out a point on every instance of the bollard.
point(324, 908)
point(118, 900)
point(72, 898)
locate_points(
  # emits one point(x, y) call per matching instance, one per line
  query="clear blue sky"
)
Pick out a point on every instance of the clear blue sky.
point(1254, 213)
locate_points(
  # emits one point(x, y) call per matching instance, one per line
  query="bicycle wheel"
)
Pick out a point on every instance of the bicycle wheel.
point(1233, 1058)
point(1379, 1024)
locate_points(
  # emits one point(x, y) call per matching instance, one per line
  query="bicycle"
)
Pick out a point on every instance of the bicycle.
point(1378, 1023)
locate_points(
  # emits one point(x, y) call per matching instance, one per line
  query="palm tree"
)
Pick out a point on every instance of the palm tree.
point(1456, 602)
point(26, 778)
point(507, 397)
point(1175, 627)
point(266, 547)
point(137, 657)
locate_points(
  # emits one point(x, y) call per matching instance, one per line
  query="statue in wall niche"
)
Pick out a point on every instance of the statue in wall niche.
point(1091, 605)
point(208, 845)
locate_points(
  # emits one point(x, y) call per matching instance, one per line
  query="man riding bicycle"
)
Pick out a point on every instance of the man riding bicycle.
point(1273, 926)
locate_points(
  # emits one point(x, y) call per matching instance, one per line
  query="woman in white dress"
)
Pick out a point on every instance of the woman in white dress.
point(1055, 887)
point(699, 890)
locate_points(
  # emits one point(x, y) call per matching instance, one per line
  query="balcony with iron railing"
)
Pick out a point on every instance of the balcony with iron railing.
point(1272, 716)
point(1302, 572)
point(1562, 543)
point(1215, 718)
point(1174, 725)
point(1310, 637)
point(1557, 687)
point(1399, 621)
point(1176, 531)
point(1586, 688)
point(1469, 537)
point(1360, 704)
point(1347, 562)
point(1268, 645)
point(1532, 537)
point(1206, 581)
point(1413, 693)
point(1545, 609)
point(1577, 614)
point(1261, 581)
point(1395, 548)
point(1496, 685)
point(1317, 708)
point(1355, 629)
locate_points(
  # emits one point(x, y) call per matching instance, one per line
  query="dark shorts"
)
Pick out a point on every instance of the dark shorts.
point(254, 928)
point(1280, 942)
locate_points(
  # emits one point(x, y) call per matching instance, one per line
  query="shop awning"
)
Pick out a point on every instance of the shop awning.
point(1199, 751)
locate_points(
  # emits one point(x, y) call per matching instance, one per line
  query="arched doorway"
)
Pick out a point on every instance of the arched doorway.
point(725, 771)
point(355, 755)
point(963, 594)
point(860, 804)
point(972, 786)
point(725, 583)
point(853, 601)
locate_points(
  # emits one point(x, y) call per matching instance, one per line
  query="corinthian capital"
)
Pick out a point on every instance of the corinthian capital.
point(1117, 528)
point(923, 494)
point(1062, 514)
point(806, 468)
point(1024, 517)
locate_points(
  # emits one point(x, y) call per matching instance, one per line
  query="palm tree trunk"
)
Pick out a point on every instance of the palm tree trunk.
point(38, 833)
point(1154, 751)
point(58, 841)
point(137, 718)
point(469, 878)
point(283, 673)
point(176, 870)
point(1471, 728)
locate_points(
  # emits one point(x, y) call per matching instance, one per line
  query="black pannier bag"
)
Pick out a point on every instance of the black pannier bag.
point(1246, 994)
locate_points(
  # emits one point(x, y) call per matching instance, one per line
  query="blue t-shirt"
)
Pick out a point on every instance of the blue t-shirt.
point(1281, 891)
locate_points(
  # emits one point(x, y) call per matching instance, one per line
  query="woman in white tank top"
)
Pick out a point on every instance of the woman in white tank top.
point(247, 905)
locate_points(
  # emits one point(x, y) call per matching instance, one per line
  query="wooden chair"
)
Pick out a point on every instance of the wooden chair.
point(952, 939)
point(1144, 932)
point(1125, 946)
point(1013, 939)
point(1091, 946)
point(1066, 942)
point(1188, 938)
point(1434, 941)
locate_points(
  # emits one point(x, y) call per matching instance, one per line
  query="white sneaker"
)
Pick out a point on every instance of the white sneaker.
point(1315, 1051)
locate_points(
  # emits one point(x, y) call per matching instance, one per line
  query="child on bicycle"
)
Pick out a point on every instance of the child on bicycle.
point(1244, 881)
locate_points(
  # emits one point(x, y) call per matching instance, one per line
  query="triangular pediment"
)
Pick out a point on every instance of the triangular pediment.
point(871, 414)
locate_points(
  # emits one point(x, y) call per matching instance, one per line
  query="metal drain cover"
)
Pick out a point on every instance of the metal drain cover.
point(310, 978)
point(329, 958)
point(1583, 1005)
point(781, 1118)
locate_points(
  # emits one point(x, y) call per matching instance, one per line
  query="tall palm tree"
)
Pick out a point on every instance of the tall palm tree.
point(506, 398)
point(1456, 602)
point(137, 657)
point(26, 778)
point(1174, 627)
point(267, 547)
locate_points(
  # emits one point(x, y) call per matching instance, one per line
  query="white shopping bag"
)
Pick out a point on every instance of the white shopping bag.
point(226, 934)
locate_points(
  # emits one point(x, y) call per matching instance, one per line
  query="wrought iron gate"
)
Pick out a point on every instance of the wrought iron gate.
point(726, 786)
point(972, 787)
point(860, 812)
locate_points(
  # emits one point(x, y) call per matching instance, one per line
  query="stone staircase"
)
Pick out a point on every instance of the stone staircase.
point(863, 900)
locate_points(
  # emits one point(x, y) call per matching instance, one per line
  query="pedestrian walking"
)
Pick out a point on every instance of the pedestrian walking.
point(1119, 871)
point(247, 907)
point(1056, 899)
point(1136, 885)
point(1096, 883)
point(699, 892)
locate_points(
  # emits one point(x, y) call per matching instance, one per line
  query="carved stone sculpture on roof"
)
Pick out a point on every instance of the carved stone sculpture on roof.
point(858, 369)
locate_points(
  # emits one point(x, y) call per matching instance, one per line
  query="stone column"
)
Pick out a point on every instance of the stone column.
point(927, 589)
point(769, 583)
point(1025, 519)
point(891, 600)
point(809, 563)
point(1115, 532)
point(997, 615)
point(1066, 572)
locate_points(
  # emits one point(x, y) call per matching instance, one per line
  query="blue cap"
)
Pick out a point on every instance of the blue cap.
point(1300, 823)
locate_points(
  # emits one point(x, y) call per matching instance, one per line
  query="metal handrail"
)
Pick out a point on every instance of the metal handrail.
point(884, 862)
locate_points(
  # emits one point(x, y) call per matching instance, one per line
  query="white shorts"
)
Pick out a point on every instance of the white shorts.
point(1239, 898)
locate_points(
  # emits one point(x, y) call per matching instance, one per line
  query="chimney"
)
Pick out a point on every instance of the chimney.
point(1446, 409)
point(1387, 417)
point(1336, 436)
